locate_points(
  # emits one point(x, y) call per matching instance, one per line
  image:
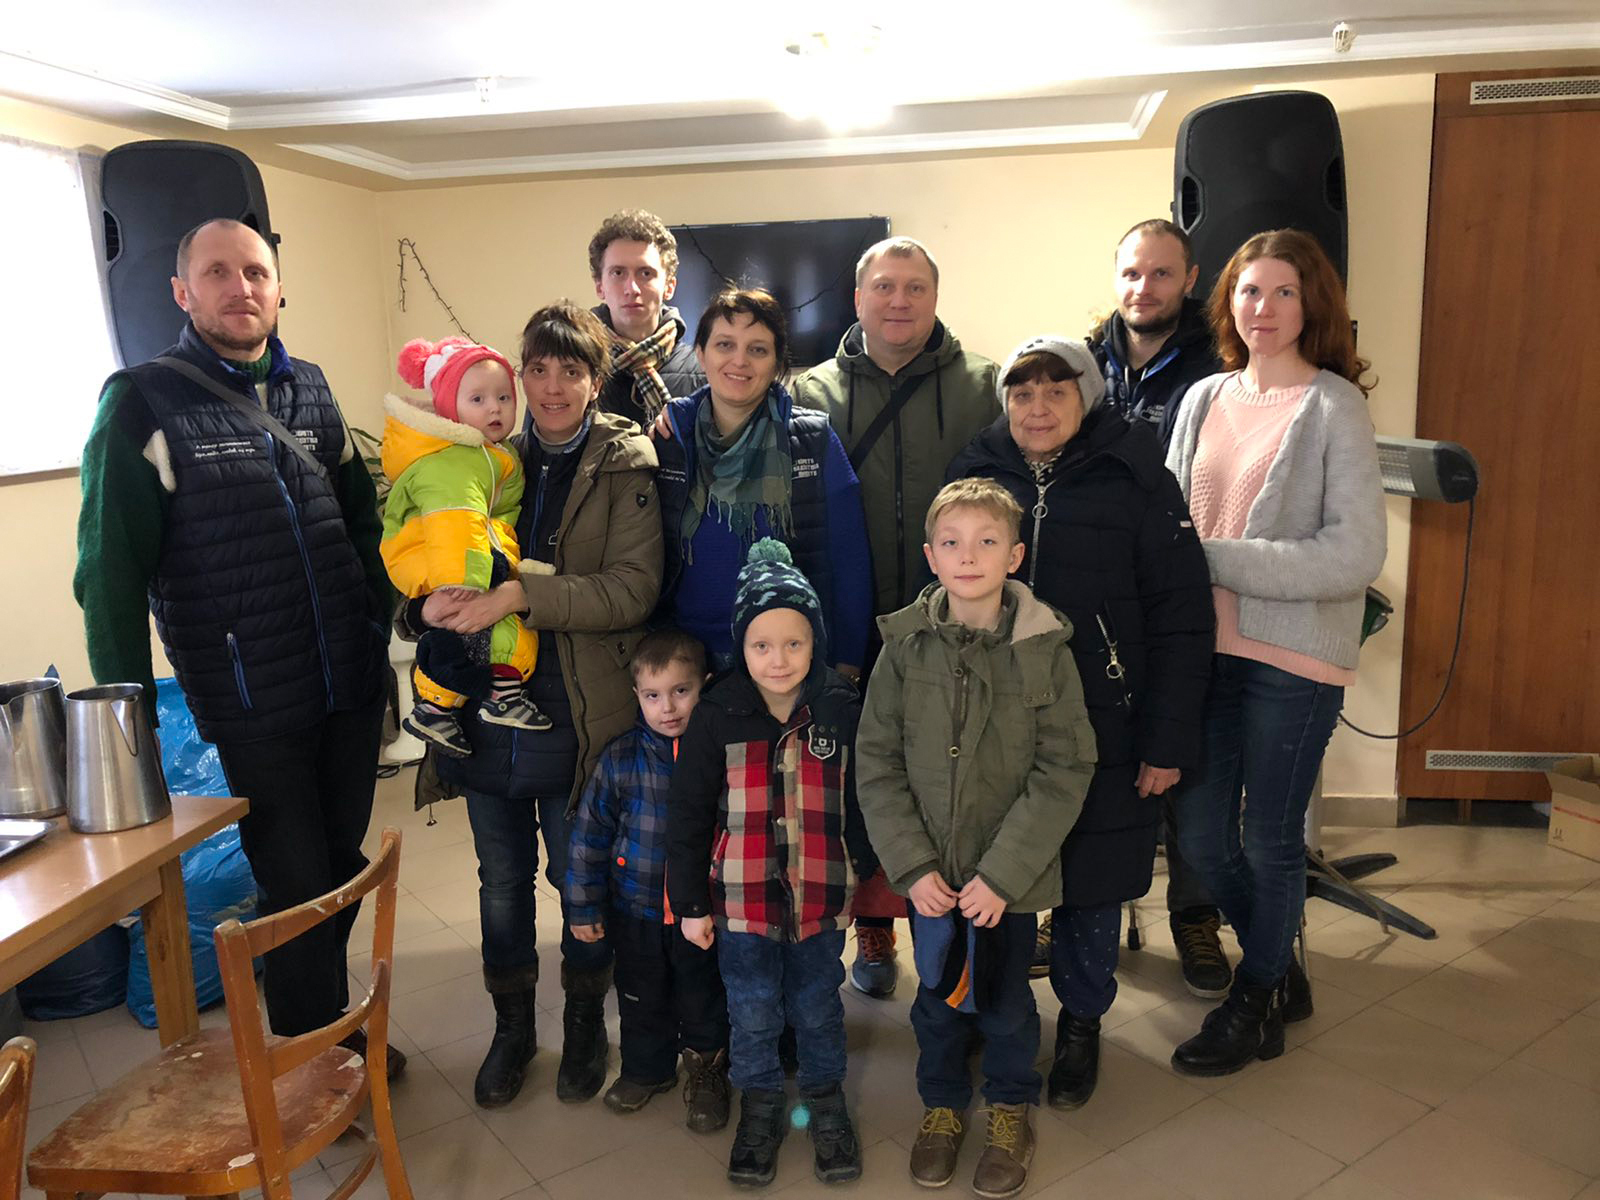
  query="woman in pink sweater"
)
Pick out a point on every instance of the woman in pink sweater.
point(1278, 461)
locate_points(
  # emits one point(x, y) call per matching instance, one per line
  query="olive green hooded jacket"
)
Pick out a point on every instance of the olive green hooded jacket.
point(975, 752)
point(953, 399)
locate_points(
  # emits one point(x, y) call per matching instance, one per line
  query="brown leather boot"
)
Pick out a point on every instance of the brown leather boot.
point(706, 1093)
point(1007, 1151)
point(933, 1154)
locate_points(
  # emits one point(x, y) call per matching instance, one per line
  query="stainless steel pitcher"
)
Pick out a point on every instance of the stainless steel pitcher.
point(33, 749)
point(114, 778)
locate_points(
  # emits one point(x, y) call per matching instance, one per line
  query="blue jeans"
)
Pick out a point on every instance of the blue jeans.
point(1009, 1022)
point(770, 983)
point(1083, 958)
point(505, 834)
point(1266, 731)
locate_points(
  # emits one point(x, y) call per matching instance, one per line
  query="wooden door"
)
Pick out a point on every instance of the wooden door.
point(1510, 368)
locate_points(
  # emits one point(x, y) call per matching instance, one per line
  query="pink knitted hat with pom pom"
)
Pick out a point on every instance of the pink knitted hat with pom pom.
point(439, 366)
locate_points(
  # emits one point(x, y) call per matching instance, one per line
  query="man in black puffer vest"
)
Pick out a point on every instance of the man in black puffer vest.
point(258, 557)
point(1151, 349)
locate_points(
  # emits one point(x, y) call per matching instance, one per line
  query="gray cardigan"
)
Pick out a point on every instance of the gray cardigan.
point(1316, 536)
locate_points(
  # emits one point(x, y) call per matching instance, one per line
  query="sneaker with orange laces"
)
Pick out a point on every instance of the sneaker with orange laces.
point(876, 970)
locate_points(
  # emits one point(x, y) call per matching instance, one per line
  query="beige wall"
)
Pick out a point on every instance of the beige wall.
point(332, 259)
point(1024, 246)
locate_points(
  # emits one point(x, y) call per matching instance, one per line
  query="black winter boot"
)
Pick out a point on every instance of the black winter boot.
point(583, 1034)
point(1077, 1065)
point(836, 1148)
point(1294, 994)
point(763, 1120)
point(1246, 1026)
point(505, 1066)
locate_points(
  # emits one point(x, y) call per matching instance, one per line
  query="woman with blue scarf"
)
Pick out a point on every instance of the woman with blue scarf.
point(743, 464)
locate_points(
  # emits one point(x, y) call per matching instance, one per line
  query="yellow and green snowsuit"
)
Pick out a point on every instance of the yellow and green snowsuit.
point(453, 506)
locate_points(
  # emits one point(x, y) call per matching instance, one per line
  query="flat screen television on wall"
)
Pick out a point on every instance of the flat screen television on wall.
point(808, 265)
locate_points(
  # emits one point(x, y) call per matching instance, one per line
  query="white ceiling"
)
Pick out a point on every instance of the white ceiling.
point(408, 90)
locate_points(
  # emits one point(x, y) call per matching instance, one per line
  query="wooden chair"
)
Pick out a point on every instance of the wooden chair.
point(16, 1085)
point(225, 1111)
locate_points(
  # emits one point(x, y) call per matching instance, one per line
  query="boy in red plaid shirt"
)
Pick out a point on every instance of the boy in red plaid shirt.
point(764, 844)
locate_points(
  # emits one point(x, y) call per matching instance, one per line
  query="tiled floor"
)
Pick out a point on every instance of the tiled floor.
point(1464, 1067)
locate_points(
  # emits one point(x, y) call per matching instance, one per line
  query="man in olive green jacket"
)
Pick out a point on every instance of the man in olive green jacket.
point(900, 361)
point(905, 399)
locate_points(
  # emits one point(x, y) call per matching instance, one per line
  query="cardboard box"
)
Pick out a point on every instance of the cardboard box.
point(1575, 805)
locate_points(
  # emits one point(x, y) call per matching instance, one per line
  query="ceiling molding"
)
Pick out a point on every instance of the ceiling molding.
point(36, 79)
point(1150, 61)
point(57, 83)
point(848, 146)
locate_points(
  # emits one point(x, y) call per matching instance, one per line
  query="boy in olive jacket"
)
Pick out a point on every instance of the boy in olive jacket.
point(973, 759)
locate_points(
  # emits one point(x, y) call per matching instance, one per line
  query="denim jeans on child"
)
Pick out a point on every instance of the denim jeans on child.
point(1083, 958)
point(669, 997)
point(1009, 1022)
point(770, 983)
point(1265, 734)
point(505, 834)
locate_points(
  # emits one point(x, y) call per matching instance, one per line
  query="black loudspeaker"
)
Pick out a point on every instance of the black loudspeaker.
point(153, 193)
point(1273, 160)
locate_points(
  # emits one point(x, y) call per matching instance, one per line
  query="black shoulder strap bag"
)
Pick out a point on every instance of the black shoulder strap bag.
point(899, 397)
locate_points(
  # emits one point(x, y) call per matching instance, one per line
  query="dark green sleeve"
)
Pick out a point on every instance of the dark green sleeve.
point(358, 501)
point(119, 540)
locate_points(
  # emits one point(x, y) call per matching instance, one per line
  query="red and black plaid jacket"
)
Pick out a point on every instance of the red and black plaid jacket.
point(763, 831)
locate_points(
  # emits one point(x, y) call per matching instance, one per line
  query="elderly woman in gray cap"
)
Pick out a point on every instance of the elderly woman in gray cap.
point(1109, 543)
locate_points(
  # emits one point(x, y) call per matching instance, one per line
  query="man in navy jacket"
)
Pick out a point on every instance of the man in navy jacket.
point(1151, 349)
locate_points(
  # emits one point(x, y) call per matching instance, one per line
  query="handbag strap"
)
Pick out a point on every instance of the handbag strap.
point(255, 412)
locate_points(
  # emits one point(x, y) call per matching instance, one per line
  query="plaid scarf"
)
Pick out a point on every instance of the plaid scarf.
point(644, 360)
point(741, 475)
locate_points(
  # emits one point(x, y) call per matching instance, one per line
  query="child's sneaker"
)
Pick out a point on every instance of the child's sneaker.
point(515, 711)
point(836, 1149)
point(1039, 968)
point(438, 727)
point(705, 1093)
point(875, 971)
point(1007, 1151)
point(763, 1121)
point(933, 1154)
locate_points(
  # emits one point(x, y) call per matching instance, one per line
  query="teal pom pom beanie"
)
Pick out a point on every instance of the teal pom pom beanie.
point(769, 579)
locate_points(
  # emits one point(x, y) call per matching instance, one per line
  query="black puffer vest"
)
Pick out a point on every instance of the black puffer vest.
point(259, 598)
point(808, 500)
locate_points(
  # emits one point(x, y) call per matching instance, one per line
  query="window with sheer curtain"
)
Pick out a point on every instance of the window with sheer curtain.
point(53, 328)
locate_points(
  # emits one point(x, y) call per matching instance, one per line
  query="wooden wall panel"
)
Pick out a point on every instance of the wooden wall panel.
point(1510, 368)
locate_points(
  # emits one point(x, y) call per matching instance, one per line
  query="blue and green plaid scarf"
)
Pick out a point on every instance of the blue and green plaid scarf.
point(740, 475)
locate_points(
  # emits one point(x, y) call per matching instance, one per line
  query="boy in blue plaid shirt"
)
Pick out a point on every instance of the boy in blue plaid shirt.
point(669, 991)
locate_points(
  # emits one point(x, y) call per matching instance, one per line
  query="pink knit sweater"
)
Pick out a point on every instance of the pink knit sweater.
point(1238, 442)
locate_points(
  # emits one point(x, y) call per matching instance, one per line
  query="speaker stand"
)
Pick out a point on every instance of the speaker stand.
point(1333, 880)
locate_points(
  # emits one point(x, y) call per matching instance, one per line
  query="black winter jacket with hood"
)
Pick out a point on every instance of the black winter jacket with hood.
point(1110, 543)
point(1155, 393)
